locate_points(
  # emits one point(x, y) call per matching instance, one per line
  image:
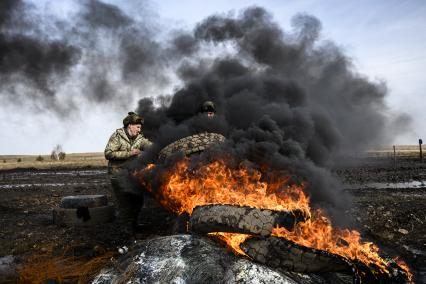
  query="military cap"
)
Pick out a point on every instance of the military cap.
point(208, 106)
point(132, 118)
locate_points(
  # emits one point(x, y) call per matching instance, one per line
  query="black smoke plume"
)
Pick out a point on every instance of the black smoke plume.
point(28, 59)
point(287, 100)
point(99, 55)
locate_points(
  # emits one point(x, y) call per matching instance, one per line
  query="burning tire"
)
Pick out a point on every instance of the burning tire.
point(191, 259)
point(241, 219)
point(281, 253)
point(286, 255)
point(191, 144)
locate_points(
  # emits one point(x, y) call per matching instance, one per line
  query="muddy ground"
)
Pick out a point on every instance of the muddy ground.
point(388, 208)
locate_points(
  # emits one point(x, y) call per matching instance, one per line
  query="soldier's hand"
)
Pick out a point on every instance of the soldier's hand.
point(135, 152)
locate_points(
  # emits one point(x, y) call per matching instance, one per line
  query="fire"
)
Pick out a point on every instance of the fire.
point(404, 266)
point(215, 183)
point(232, 240)
point(184, 187)
point(318, 233)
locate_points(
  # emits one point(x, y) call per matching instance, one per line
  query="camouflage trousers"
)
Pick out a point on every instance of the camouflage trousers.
point(128, 205)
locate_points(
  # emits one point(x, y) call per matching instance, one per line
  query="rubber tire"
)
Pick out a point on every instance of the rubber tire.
point(241, 219)
point(77, 201)
point(83, 215)
point(281, 253)
point(191, 144)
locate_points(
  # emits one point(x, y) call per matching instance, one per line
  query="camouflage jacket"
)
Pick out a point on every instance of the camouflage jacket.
point(117, 151)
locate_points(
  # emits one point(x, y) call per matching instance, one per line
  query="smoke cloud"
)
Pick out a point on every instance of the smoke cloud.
point(284, 99)
point(29, 60)
point(99, 55)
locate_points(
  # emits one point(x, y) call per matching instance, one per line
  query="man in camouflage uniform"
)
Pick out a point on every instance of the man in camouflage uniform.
point(125, 144)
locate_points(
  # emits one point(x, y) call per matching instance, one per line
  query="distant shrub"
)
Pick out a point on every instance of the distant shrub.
point(4, 161)
point(19, 160)
point(39, 158)
point(54, 156)
point(61, 156)
point(57, 153)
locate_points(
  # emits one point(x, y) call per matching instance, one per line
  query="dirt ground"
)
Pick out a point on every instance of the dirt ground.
point(387, 209)
point(389, 206)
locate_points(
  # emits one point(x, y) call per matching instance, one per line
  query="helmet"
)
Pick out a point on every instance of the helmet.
point(132, 118)
point(208, 106)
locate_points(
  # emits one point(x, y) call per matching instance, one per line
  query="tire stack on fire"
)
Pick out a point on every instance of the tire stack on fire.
point(280, 253)
point(258, 224)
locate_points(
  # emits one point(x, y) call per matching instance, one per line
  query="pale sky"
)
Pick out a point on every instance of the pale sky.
point(386, 40)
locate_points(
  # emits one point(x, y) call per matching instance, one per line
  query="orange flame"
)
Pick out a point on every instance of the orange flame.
point(184, 188)
point(405, 267)
point(232, 240)
point(318, 233)
point(215, 183)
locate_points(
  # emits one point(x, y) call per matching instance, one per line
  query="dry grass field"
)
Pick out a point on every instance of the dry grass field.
point(74, 160)
point(96, 159)
point(400, 151)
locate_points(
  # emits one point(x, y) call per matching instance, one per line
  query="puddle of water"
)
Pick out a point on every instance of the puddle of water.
point(24, 185)
point(59, 172)
point(396, 185)
point(67, 173)
point(35, 174)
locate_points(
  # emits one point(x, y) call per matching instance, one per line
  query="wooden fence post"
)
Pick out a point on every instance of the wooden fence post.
point(420, 147)
point(394, 156)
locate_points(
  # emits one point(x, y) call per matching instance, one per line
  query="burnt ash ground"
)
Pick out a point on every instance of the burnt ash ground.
point(392, 217)
point(27, 197)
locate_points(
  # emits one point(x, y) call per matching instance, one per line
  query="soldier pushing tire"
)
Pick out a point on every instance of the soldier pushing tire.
point(125, 144)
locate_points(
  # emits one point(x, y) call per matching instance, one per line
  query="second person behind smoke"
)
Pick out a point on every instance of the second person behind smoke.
point(208, 108)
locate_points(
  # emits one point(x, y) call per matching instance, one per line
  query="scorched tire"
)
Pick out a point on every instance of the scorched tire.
point(241, 219)
point(192, 144)
point(284, 254)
